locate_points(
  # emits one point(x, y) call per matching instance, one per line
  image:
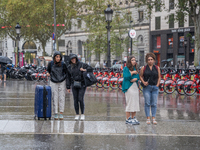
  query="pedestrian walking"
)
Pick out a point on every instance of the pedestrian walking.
point(130, 88)
point(2, 72)
point(97, 65)
point(150, 78)
point(76, 81)
point(57, 70)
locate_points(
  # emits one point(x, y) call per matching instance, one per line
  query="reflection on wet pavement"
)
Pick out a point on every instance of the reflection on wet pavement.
point(104, 142)
point(17, 102)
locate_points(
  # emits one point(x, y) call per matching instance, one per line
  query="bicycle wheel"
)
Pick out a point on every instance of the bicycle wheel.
point(161, 86)
point(140, 86)
point(119, 83)
point(105, 82)
point(180, 86)
point(113, 83)
point(99, 82)
point(190, 87)
point(34, 76)
point(169, 86)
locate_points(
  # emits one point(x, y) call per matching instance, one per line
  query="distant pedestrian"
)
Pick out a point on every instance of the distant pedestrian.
point(76, 81)
point(130, 88)
point(150, 77)
point(2, 72)
point(57, 70)
point(97, 65)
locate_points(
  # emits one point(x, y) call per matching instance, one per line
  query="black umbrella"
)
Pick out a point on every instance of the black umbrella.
point(5, 60)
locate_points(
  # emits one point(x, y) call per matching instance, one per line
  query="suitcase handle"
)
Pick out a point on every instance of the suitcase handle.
point(45, 102)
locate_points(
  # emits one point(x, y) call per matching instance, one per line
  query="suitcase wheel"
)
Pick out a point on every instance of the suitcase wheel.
point(38, 118)
point(49, 118)
point(45, 118)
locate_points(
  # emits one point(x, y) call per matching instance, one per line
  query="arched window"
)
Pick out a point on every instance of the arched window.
point(80, 47)
point(28, 45)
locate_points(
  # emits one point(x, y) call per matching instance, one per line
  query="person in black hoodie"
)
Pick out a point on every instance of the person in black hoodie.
point(75, 73)
point(57, 70)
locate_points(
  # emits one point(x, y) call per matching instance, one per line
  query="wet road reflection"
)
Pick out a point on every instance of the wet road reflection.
point(17, 102)
point(123, 142)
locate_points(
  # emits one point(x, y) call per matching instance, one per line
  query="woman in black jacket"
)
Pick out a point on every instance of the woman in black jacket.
point(57, 70)
point(75, 73)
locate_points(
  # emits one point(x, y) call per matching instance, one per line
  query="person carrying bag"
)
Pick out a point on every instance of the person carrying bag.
point(75, 80)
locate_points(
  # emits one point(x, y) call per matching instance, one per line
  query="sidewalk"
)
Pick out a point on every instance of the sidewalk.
point(164, 128)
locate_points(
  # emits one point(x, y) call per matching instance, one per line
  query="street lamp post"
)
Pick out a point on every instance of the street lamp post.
point(108, 14)
point(55, 25)
point(67, 49)
point(185, 44)
point(18, 31)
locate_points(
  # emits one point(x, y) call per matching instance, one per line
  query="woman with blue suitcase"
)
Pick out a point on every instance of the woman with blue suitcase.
point(57, 70)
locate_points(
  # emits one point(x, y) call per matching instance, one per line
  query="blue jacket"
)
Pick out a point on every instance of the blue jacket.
point(127, 79)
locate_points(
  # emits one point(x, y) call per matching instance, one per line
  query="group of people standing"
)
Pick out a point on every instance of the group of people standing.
point(150, 78)
point(63, 76)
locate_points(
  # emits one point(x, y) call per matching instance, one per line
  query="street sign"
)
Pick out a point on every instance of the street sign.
point(132, 33)
point(53, 36)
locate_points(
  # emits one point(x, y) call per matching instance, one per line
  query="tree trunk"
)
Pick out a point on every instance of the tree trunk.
point(197, 40)
point(43, 47)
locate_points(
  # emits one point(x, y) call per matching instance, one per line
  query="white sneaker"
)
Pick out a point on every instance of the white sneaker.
point(76, 117)
point(82, 117)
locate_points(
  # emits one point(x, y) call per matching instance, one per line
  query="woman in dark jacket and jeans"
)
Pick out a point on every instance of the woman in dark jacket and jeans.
point(57, 70)
point(75, 73)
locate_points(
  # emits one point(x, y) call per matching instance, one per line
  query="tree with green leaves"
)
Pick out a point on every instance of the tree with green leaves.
point(95, 25)
point(182, 8)
point(36, 18)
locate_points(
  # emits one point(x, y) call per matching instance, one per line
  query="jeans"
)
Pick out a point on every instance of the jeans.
point(78, 95)
point(150, 96)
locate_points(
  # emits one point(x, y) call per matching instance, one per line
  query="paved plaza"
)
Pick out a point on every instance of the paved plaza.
point(104, 127)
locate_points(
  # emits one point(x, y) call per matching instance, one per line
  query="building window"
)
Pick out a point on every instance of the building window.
point(181, 20)
point(61, 42)
point(171, 21)
point(132, 1)
point(126, 2)
point(141, 15)
point(120, 3)
point(181, 40)
point(6, 45)
point(79, 24)
point(80, 47)
point(171, 4)
point(156, 42)
point(170, 41)
point(191, 22)
point(157, 6)
point(157, 22)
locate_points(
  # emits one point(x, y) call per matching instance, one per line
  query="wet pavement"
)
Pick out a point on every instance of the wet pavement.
point(104, 127)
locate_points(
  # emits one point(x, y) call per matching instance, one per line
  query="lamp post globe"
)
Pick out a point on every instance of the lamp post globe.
point(18, 28)
point(108, 15)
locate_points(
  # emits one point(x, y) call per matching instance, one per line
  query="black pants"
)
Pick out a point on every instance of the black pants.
point(78, 95)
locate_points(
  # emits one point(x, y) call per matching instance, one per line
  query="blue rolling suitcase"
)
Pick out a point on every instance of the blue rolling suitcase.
point(43, 102)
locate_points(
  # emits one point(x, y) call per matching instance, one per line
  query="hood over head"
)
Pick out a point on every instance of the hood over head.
point(57, 53)
point(73, 56)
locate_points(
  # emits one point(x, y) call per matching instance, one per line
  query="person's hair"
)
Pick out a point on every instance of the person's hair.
point(150, 55)
point(59, 63)
point(129, 64)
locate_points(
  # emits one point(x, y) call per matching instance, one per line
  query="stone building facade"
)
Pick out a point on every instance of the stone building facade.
point(75, 37)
